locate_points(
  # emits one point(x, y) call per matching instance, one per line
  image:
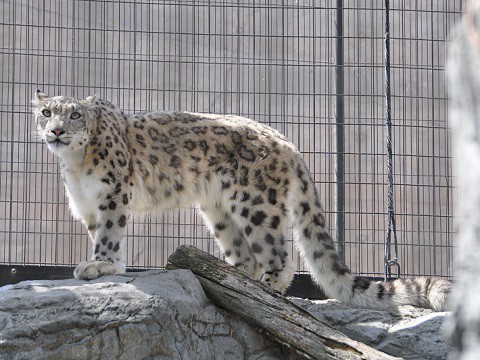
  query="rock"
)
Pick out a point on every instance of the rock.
point(161, 314)
point(412, 333)
point(152, 315)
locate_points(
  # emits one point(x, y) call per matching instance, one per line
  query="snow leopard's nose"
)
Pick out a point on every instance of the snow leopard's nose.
point(58, 131)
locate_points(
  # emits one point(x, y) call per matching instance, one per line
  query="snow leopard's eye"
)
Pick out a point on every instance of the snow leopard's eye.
point(75, 116)
point(46, 113)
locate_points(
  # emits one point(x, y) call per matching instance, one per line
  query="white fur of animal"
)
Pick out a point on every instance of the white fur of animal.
point(246, 178)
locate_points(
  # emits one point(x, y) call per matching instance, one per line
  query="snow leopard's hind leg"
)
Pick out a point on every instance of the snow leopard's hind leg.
point(253, 243)
point(230, 238)
point(264, 231)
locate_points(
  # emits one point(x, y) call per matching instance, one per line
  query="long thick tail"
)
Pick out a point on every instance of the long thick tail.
point(335, 278)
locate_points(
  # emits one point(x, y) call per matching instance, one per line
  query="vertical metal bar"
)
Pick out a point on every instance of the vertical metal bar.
point(339, 135)
point(434, 174)
point(12, 148)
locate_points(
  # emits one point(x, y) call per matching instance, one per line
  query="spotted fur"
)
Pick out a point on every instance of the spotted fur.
point(246, 179)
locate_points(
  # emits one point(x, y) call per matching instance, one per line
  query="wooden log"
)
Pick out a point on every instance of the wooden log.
point(271, 313)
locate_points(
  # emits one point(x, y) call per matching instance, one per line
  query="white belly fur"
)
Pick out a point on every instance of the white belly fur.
point(83, 194)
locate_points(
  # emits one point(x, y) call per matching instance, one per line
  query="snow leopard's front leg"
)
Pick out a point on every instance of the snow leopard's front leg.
point(107, 230)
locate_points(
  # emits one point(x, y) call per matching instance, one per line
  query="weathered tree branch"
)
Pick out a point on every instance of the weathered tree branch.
point(273, 314)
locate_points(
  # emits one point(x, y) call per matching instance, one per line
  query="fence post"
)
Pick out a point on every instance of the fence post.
point(339, 135)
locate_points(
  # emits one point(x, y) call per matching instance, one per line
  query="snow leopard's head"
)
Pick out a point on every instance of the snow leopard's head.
point(64, 123)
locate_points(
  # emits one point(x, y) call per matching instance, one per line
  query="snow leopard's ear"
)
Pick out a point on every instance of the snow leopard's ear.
point(38, 98)
point(89, 100)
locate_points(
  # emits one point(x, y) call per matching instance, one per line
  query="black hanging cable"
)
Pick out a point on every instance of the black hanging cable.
point(391, 227)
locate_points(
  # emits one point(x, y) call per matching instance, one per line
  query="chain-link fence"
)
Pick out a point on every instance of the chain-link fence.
point(275, 61)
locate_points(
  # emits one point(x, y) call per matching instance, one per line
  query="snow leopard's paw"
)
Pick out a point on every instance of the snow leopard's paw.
point(89, 270)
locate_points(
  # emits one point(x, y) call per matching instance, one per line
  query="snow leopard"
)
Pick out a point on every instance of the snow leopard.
point(245, 178)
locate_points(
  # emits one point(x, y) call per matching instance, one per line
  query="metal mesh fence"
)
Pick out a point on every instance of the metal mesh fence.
point(270, 60)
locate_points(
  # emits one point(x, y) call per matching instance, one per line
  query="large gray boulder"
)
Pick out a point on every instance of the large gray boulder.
point(151, 315)
point(166, 315)
point(409, 332)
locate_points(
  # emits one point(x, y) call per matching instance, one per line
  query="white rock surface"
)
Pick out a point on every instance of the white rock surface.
point(166, 315)
point(152, 315)
point(411, 333)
